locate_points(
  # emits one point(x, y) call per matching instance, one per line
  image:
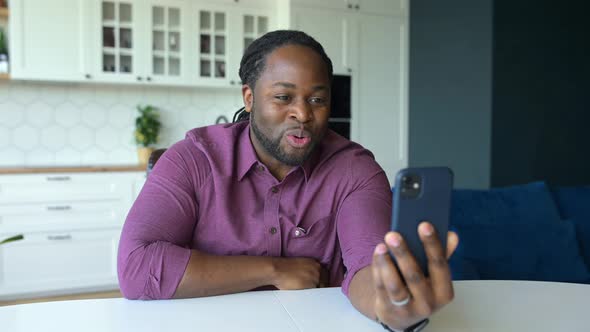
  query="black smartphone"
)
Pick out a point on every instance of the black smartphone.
point(422, 194)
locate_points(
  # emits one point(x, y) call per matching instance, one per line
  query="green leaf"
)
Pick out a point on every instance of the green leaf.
point(12, 239)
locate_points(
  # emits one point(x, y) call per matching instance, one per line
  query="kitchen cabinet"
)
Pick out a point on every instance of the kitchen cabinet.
point(248, 25)
point(333, 30)
point(71, 225)
point(46, 40)
point(224, 33)
point(46, 262)
point(164, 42)
point(142, 42)
point(377, 7)
point(371, 49)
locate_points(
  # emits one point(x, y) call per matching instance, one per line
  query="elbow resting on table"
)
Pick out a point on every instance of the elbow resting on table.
point(150, 271)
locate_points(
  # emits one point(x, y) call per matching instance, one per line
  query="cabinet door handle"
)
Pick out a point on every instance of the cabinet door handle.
point(59, 208)
point(139, 78)
point(63, 237)
point(357, 7)
point(349, 6)
point(58, 178)
point(149, 79)
point(349, 70)
point(88, 76)
point(232, 82)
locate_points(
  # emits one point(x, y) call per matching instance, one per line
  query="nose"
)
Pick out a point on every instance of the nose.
point(301, 111)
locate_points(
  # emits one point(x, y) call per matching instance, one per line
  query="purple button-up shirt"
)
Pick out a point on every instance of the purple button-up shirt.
point(209, 192)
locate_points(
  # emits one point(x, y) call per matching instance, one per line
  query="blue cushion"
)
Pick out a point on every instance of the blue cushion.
point(524, 204)
point(514, 233)
point(522, 252)
point(574, 204)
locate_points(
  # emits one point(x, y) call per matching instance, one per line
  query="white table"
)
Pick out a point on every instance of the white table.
point(478, 306)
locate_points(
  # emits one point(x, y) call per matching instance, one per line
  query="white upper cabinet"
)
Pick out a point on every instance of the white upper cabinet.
point(46, 40)
point(331, 30)
point(329, 4)
point(133, 41)
point(115, 52)
point(167, 42)
point(213, 53)
point(382, 7)
point(379, 7)
point(224, 32)
point(168, 35)
point(249, 24)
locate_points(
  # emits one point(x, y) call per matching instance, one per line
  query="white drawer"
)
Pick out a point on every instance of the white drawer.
point(45, 262)
point(64, 187)
point(35, 217)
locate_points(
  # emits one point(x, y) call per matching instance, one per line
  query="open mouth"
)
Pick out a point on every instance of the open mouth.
point(298, 138)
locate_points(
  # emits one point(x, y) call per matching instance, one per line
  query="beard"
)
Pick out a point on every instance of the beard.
point(273, 145)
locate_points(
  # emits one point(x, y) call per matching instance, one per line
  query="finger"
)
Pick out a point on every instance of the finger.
point(452, 243)
point(412, 274)
point(389, 286)
point(438, 267)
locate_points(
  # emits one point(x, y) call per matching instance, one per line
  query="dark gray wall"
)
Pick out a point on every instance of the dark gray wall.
point(450, 102)
point(541, 92)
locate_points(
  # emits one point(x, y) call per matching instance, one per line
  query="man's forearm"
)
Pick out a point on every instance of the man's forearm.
point(362, 292)
point(208, 275)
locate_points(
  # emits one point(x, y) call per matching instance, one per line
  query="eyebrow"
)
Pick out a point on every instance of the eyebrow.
point(293, 86)
point(285, 85)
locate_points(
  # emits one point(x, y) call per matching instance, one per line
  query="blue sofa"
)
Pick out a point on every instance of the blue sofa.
point(525, 232)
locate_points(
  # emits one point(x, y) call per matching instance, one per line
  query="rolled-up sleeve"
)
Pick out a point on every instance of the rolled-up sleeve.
point(364, 217)
point(154, 246)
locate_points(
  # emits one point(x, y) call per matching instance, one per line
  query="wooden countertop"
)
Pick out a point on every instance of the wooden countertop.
point(82, 169)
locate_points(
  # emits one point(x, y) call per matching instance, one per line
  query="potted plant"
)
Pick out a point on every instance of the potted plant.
point(147, 129)
point(12, 239)
point(3, 53)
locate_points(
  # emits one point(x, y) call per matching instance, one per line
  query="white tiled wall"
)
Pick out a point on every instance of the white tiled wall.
point(52, 124)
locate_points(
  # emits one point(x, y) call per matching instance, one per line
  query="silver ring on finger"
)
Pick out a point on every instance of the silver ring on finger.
point(402, 302)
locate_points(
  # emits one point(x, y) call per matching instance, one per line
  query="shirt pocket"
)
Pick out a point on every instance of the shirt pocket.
point(315, 239)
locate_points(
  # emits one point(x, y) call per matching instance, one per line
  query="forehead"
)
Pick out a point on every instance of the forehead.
point(295, 63)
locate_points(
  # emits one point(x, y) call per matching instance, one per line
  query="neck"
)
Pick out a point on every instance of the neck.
point(278, 169)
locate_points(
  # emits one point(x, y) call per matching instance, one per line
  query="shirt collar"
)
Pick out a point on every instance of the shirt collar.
point(311, 161)
point(246, 154)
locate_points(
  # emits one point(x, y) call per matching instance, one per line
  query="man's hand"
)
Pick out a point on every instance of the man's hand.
point(425, 295)
point(296, 273)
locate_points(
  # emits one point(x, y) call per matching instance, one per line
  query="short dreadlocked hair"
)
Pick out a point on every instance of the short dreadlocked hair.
point(254, 59)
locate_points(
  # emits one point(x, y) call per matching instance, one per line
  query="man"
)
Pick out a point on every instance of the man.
point(278, 200)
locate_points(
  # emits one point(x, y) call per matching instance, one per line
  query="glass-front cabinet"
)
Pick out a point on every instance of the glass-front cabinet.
point(167, 35)
point(172, 42)
point(249, 26)
point(115, 41)
point(213, 58)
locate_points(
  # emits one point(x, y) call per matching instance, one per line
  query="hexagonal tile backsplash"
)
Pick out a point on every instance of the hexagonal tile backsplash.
point(55, 124)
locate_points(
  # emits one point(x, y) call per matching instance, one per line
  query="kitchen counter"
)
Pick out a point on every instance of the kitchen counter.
point(80, 169)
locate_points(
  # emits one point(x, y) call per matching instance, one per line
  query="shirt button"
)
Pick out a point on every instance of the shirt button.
point(275, 190)
point(273, 230)
point(261, 168)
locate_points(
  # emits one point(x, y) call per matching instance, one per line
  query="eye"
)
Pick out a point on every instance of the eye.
point(317, 100)
point(282, 97)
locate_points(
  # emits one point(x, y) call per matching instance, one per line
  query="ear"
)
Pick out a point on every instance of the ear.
point(248, 97)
